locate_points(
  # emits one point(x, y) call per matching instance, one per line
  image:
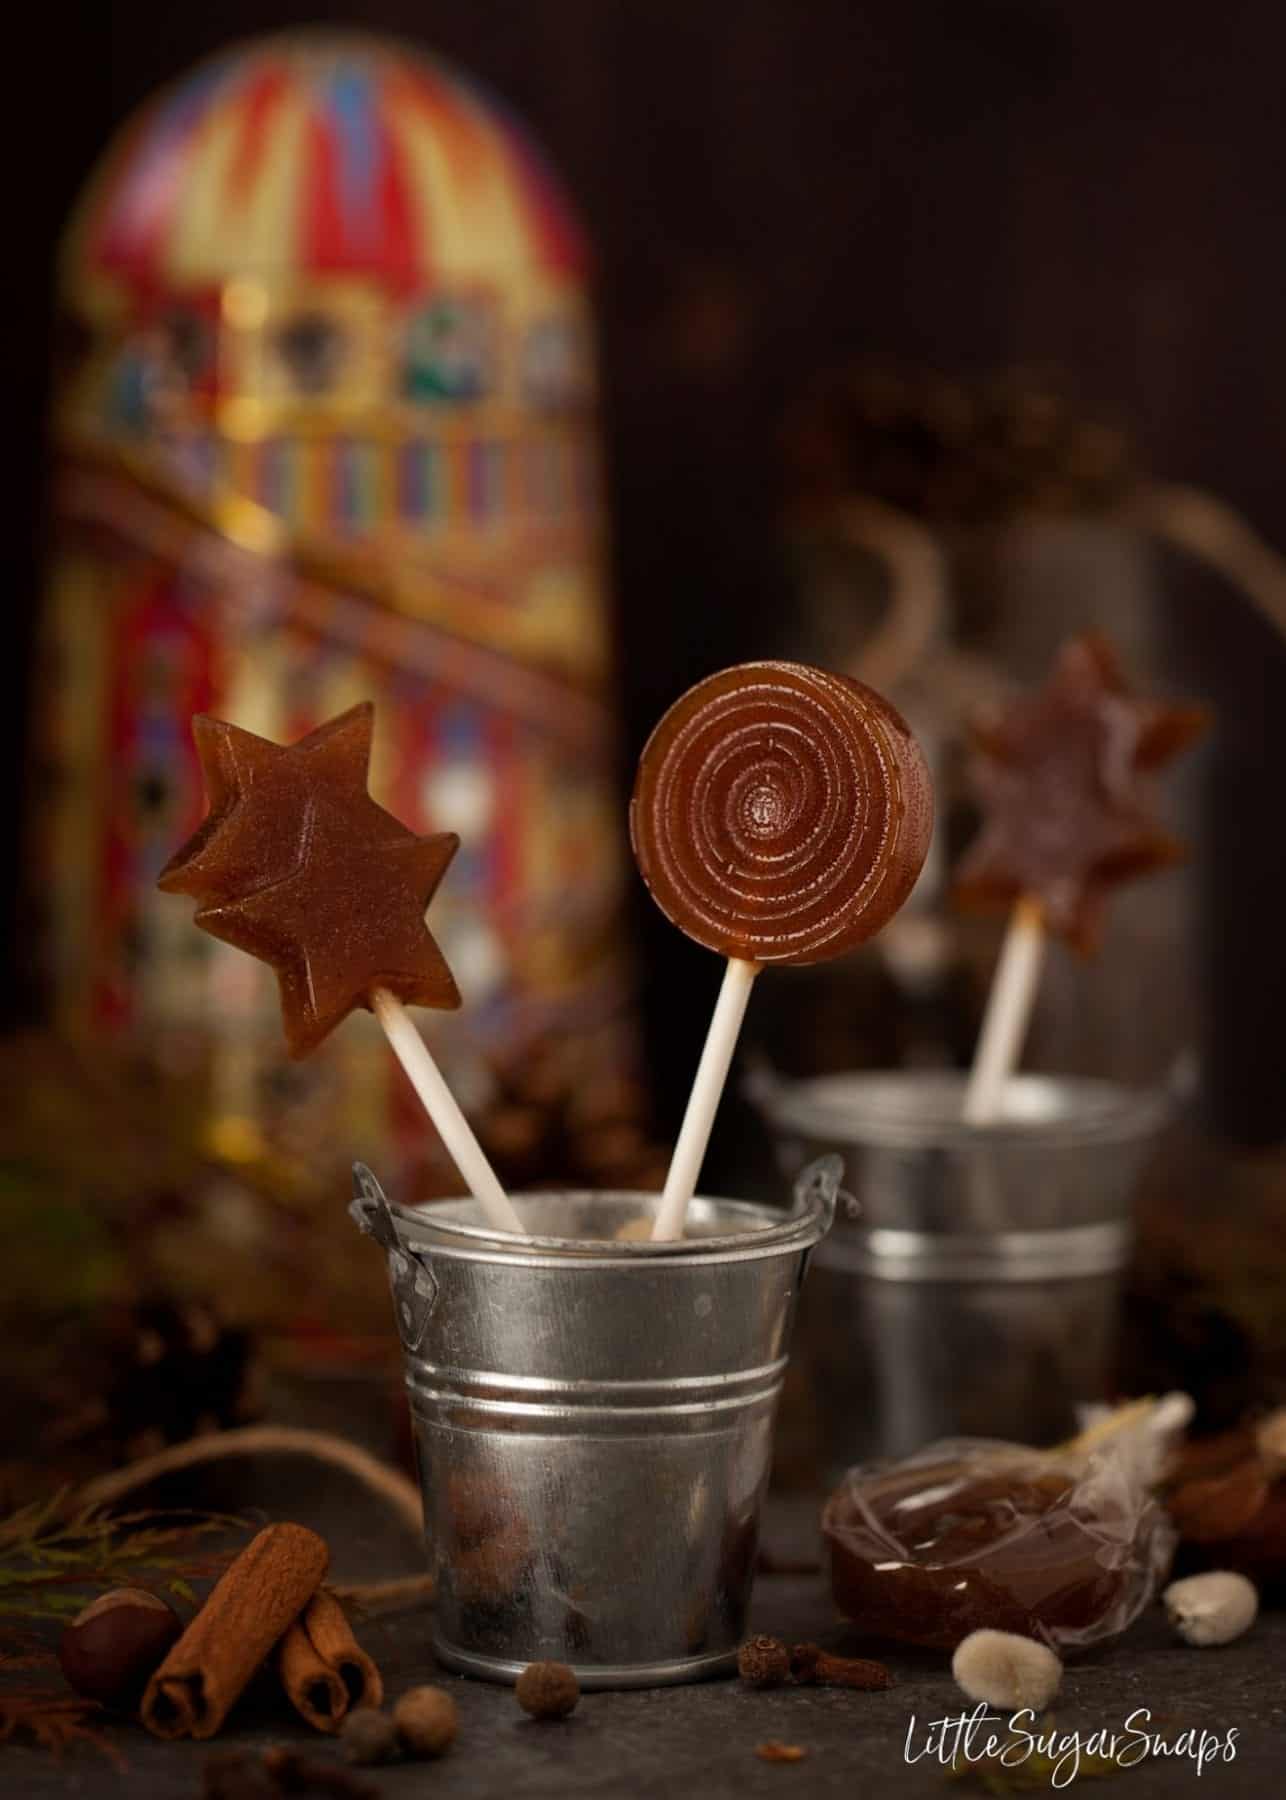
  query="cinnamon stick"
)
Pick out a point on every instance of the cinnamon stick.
point(251, 1605)
point(323, 1668)
point(312, 1687)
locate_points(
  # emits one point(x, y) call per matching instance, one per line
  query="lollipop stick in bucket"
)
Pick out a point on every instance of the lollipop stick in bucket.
point(297, 865)
point(440, 1103)
point(781, 815)
point(1009, 1004)
point(703, 1102)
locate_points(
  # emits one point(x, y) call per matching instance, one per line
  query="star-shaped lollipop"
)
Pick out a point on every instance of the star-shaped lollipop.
point(1069, 811)
point(296, 864)
point(369, 934)
point(258, 792)
point(1063, 778)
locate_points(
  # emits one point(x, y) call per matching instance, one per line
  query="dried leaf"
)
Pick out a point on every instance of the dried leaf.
point(776, 1752)
point(54, 1721)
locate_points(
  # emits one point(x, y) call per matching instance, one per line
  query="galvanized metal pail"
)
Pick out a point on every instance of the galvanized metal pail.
point(593, 1420)
point(972, 1288)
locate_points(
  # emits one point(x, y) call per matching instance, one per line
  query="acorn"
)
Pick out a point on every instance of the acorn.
point(110, 1650)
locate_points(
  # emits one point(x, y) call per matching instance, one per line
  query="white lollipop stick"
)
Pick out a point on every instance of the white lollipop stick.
point(703, 1101)
point(1009, 1004)
point(440, 1104)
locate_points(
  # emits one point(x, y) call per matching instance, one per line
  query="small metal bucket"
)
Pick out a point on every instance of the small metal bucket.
point(593, 1421)
point(972, 1288)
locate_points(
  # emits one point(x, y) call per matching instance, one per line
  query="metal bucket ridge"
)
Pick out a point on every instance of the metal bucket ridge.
point(593, 1420)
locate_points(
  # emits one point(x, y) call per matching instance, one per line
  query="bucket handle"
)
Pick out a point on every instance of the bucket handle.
point(414, 1285)
point(817, 1190)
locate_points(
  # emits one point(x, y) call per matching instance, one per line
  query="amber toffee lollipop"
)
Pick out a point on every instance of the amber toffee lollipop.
point(781, 814)
point(296, 864)
point(1064, 780)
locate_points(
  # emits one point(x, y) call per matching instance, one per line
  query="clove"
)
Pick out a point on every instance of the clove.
point(763, 1662)
point(813, 1666)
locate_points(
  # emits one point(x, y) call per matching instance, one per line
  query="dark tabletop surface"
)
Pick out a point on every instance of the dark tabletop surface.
point(702, 1739)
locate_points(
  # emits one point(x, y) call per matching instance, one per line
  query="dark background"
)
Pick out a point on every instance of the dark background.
point(772, 185)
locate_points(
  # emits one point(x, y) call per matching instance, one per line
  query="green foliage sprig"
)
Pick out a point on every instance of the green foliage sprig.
point(54, 1560)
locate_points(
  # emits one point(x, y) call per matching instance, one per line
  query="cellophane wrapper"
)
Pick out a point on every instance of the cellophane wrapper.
point(970, 1533)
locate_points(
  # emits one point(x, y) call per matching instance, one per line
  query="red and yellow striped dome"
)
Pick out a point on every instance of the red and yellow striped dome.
point(312, 156)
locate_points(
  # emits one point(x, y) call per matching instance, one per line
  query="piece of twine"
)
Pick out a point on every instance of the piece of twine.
point(1214, 533)
point(912, 635)
point(379, 1478)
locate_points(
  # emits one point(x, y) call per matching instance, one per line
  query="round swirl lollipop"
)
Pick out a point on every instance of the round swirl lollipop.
point(781, 815)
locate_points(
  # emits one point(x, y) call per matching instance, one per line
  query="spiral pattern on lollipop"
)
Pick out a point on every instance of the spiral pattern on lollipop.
point(781, 813)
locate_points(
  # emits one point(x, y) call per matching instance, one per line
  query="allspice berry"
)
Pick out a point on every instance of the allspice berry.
point(547, 1690)
point(426, 1721)
point(110, 1650)
point(763, 1662)
point(368, 1736)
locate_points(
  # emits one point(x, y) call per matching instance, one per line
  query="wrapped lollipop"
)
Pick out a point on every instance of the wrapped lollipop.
point(781, 814)
point(1064, 778)
point(296, 864)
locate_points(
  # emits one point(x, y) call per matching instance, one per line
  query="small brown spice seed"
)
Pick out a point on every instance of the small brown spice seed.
point(809, 1663)
point(427, 1721)
point(763, 1662)
point(368, 1736)
point(547, 1690)
point(775, 1751)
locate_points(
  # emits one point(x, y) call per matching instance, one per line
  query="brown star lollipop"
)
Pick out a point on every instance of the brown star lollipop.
point(253, 785)
point(781, 815)
point(1064, 778)
point(296, 864)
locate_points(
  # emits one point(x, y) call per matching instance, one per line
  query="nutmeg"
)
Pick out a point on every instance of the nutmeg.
point(368, 1736)
point(426, 1720)
point(547, 1690)
point(110, 1650)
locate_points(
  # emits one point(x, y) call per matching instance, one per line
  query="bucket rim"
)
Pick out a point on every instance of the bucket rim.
point(920, 1108)
point(430, 1227)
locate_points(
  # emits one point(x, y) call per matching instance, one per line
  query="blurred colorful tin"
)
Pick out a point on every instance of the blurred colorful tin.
point(325, 424)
